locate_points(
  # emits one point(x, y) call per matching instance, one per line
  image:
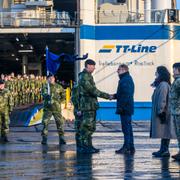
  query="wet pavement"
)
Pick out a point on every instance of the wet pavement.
point(25, 158)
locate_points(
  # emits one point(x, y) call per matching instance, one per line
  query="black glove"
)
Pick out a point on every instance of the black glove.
point(162, 117)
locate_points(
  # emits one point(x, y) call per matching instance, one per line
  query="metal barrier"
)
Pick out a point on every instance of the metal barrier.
point(36, 19)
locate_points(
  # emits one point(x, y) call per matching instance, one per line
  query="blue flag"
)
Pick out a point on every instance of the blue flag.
point(52, 62)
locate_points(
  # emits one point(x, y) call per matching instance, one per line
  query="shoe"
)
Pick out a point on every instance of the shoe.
point(95, 149)
point(123, 151)
point(44, 140)
point(161, 154)
point(176, 157)
point(61, 140)
point(156, 153)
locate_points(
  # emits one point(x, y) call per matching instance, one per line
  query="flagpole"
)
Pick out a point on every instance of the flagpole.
point(47, 72)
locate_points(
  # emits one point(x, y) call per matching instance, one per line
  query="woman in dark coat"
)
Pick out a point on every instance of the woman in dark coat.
point(161, 124)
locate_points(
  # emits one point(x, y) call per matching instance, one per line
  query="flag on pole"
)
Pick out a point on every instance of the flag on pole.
point(52, 62)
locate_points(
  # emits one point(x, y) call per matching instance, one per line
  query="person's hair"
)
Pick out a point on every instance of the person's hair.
point(89, 62)
point(164, 74)
point(124, 66)
point(177, 66)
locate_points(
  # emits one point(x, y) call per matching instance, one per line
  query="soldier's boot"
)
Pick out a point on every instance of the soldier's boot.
point(91, 145)
point(83, 148)
point(4, 139)
point(44, 140)
point(61, 140)
point(87, 149)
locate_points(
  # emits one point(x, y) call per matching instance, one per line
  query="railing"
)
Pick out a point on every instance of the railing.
point(39, 2)
point(25, 1)
point(34, 19)
point(151, 16)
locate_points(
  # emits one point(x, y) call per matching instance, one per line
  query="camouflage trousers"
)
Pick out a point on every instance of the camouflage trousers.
point(88, 126)
point(77, 125)
point(176, 119)
point(4, 123)
point(59, 119)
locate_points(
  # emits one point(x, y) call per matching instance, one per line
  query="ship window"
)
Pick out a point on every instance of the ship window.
point(121, 1)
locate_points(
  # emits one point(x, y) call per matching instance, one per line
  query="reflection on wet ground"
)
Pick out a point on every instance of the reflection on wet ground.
point(25, 158)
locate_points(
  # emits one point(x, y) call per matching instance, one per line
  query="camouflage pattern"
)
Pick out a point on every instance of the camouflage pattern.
point(32, 86)
point(175, 97)
point(38, 85)
point(88, 127)
point(75, 98)
point(89, 92)
point(9, 87)
point(175, 106)
point(88, 105)
point(176, 119)
point(52, 107)
point(4, 112)
point(24, 90)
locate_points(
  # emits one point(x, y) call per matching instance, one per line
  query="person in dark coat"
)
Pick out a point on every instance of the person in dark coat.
point(125, 108)
point(161, 123)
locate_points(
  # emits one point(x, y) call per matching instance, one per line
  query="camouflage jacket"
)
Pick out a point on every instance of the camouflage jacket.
point(175, 97)
point(75, 98)
point(4, 99)
point(56, 97)
point(88, 92)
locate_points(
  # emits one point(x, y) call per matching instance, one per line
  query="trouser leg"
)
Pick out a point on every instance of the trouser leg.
point(127, 131)
point(5, 124)
point(164, 145)
point(59, 119)
point(47, 114)
point(177, 129)
point(88, 127)
point(77, 125)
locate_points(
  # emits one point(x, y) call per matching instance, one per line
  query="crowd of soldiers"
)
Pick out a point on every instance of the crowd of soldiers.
point(21, 91)
point(24, 89)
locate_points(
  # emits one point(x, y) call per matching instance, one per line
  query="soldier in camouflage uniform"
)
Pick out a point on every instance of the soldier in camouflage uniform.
point(4, 112)
point(9, 87)
point(38, 85)
point(52, 107)
point(88, 106)
point(175, 104)
point(18, 90)
point(75, 98)
point(32, 86)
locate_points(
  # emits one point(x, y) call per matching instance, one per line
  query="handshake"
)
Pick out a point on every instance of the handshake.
point(111, 96)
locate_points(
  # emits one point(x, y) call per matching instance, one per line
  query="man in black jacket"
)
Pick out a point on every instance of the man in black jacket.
point(125, 108)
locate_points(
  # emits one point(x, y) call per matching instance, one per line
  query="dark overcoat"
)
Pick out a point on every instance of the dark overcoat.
point(125, 95)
